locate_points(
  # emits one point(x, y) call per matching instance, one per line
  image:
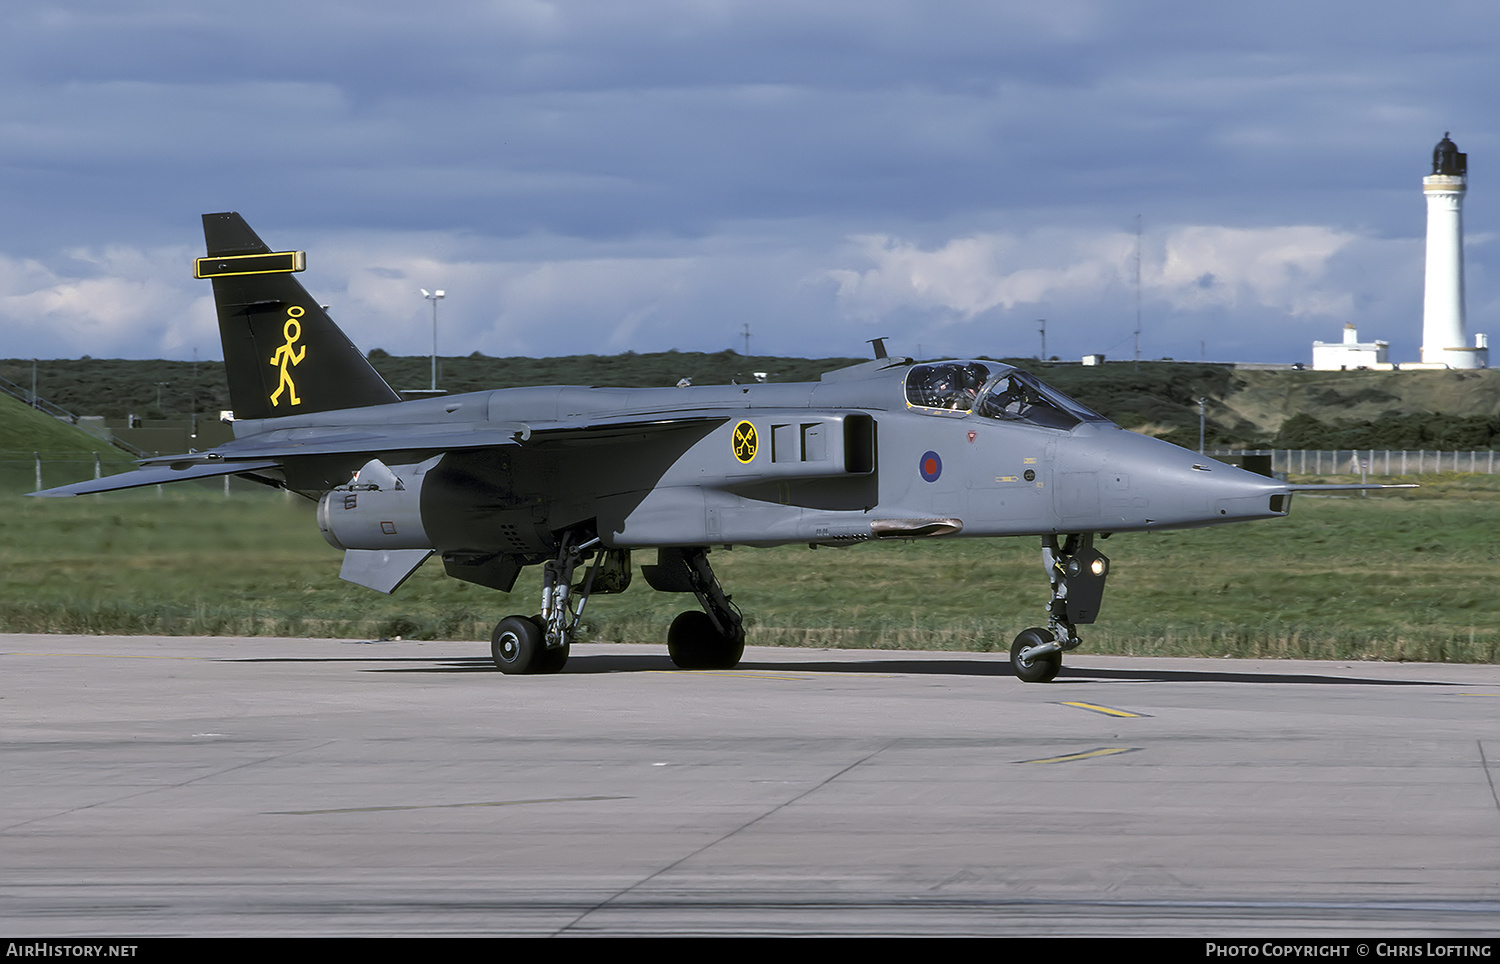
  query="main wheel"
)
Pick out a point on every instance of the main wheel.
point(694, 643)
point(516, 644)
point(1037, 669)
point(551, 660)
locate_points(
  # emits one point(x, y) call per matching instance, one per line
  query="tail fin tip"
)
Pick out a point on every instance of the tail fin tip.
point(227, 233)
point(283, 355)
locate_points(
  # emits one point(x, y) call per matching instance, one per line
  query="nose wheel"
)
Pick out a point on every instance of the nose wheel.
point(1035, 657)
point(1076, 572)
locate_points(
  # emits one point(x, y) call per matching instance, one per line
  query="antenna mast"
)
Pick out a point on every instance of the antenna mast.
point(1137, 292)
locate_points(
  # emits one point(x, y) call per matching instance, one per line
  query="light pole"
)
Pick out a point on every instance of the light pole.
point(434, 297)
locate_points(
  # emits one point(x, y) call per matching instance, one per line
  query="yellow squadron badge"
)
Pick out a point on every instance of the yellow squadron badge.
point(745, 442)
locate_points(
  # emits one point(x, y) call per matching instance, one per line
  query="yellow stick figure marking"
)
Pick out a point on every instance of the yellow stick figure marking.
point(745, 442)
point(286, 356)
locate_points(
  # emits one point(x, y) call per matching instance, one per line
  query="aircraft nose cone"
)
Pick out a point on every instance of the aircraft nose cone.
point(1146, 483)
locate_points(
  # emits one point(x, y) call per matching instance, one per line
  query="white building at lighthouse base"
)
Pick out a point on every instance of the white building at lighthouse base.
point(1351, 354)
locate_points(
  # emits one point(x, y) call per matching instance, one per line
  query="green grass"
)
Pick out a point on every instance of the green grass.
point(1398, 575)
point(68, 454)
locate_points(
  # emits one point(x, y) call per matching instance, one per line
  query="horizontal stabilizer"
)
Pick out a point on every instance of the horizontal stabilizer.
point(156, 475)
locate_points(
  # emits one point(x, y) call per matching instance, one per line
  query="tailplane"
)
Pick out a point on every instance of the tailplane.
point(283, 355)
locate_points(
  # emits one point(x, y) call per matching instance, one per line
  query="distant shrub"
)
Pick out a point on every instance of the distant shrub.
point(1419, 430)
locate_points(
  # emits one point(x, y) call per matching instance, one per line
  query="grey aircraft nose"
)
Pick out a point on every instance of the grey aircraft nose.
point(1114, 480)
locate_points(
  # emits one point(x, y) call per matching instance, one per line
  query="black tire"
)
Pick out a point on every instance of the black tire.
point(694, 643)
point(551, 660)
point(516, 644)
point(1039, 669)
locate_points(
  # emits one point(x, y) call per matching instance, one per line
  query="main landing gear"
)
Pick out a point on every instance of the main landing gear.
point(1077, 572)
point(540, 644)
point(713, 638)
point(710, 638)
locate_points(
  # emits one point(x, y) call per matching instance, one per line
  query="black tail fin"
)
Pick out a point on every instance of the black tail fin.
point(283, 355)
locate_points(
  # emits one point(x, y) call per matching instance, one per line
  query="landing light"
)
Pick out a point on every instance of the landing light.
point(1098, 566)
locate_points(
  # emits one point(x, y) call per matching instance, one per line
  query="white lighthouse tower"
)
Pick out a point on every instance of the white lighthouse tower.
point(1443, 341)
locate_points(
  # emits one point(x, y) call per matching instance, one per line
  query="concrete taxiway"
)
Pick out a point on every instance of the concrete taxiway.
point(228, 786)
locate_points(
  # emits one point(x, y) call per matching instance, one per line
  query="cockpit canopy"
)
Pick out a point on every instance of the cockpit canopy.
point(993, 390)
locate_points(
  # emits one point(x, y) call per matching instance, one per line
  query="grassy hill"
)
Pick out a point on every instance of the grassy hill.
point(1363, 409)
point(67, 452)
point(1267, 398)
point(1250, 408)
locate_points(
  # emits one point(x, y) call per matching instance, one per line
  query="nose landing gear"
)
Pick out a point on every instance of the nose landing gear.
point(1076, 571)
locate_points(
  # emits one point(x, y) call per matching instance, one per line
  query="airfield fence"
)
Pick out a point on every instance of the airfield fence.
point(1385, 462)
point(44, 469)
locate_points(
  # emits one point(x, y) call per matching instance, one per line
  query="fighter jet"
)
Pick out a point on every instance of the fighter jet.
point(576, 479)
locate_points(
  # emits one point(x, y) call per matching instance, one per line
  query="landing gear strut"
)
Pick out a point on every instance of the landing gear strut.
point(540, 644)
point(1077, 572)
point(713, 638)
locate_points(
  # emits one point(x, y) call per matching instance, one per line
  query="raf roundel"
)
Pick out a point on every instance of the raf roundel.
point(931, 466)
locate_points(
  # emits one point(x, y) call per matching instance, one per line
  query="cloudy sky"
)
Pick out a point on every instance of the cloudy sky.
point(613, 175)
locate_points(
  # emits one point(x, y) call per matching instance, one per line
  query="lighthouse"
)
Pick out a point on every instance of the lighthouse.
point(1443, 340)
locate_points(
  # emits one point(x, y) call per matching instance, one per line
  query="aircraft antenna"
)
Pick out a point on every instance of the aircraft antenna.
point(1137, 292)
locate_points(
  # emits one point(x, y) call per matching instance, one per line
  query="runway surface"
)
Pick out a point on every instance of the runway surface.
point(227, 786)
